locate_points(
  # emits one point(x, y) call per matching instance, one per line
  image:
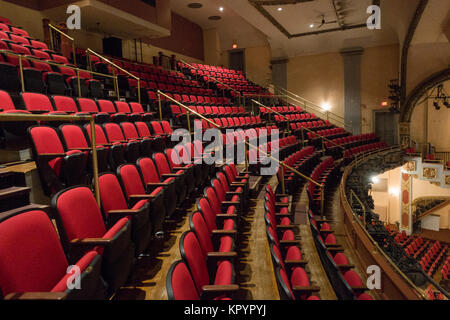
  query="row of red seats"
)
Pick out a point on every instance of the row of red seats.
point(209, 111)
point(327, 174)
point(190, 100)
point(348, 142)
point(212, 68)
point(281, 109)
point(63, 154)
point(206, 270)
point(445, 271)
point(102, 110)
point(232, 122)
point(346, 282)
point(327, 133)
point(349, 154)
point(414, 247)
point(433, 258)
point(303, 161)
point(292, 279)
point(186, 87)
point(103, 242)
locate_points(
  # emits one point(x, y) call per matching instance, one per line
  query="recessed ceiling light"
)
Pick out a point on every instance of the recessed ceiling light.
point(280, 9)
point(195, 5)
point(311, 25)
point(221, 9)
point(214, 17)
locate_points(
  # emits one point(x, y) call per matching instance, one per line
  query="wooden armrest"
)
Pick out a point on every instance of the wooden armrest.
point(224, 288)
point(289, 242)
point(226, 216)
point(233, 193)
point(181, 168)
point(326, 231)
point(231, 203)
point(157, 184)
point(37, 296)
point(306, 289)
point(295, 262)
point(222, 255)
point(141, 196)
point(124, 212)
point(224, 232)
point(289, 226)
point(91, 242)
point(282, 204)
point(169, 175)
point(282, 214)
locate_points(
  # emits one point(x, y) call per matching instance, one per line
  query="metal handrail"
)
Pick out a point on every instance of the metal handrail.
point(21, 57)
point(353, 195)
point(214, 79)
point(11, 117)
point(89, 50)
point(160, 93)
point(276, 112)
point(52, 27)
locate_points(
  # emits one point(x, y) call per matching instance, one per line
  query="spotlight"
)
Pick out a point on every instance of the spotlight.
point(311, 25)
point(221, 9)
point(280, 9)
point(374, 180)
point(436, 105)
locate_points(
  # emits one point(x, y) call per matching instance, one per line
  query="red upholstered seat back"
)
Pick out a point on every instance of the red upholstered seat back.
point(353, 278)
point(166, 126)
point(87, 105)
point(213, 200)
point(340, 258)
point(157, 129)
point(37, 101)
point(220, 191)
point(208, 214)
point(111, 194)
point(195, 259)
point(136, 107)
point(31, 256)
point(100, 137)
point(148, 170)
point(161, 163)
point(129, 130)
point(122, 107)
point(198, 224)
point(6, 102)
point(106, 106)
point(284, 278)
point(114, 132)
point(65, 104)
point(142, 129)
point(73, 136)
point(181, 285)
point(46, 140)
point(131, 179)
point(80, 214)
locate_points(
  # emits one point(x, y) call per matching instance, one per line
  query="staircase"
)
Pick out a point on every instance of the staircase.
point(14, 195)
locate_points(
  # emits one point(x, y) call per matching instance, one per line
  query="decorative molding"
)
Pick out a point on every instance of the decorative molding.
point(429, 173)
point(406, 44)
point(259, 5)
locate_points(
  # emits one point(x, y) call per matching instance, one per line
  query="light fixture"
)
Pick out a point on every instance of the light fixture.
point(280, 9)
point(326, 106)
point(384, 104)
point(311, 25)
point(374, 180)
point(394, 191)
point(234, 45)
point(221, 9)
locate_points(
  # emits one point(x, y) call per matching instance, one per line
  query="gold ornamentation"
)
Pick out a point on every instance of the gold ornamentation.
point(429, 173)
point(410, 166)
point(447, 180)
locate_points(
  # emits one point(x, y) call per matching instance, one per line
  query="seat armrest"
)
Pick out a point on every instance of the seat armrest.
point(226, 216)
point(37, 296)
point(170, 175)
point(124, 212)
point(222, 255)
point(91, 242)
point(306, 289)
point(141, 196)
point(295, 262)
point(224, 232)
point(289, 242)
point(181, 168)
point(81, 149)
point(220, 289)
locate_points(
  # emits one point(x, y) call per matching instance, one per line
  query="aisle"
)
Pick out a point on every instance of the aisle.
point(309, 251)
point(257, 277)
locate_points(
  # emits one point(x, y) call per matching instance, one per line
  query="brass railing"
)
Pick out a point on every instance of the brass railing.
point(363, 207)
point(54, 28)
point(77, 70)
point(443, 155)
point(90, 51)
point(331, 116)
point(11, 117)
point(215, 80)
point(247, 144)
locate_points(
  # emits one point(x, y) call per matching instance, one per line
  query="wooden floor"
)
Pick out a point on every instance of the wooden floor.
point(255, 273)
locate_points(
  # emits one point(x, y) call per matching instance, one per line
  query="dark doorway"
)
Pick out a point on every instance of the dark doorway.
point(236, 60)
point(385, 124)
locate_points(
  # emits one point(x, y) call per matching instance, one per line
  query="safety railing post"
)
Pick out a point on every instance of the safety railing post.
point(22, 80)
point(159, 107)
